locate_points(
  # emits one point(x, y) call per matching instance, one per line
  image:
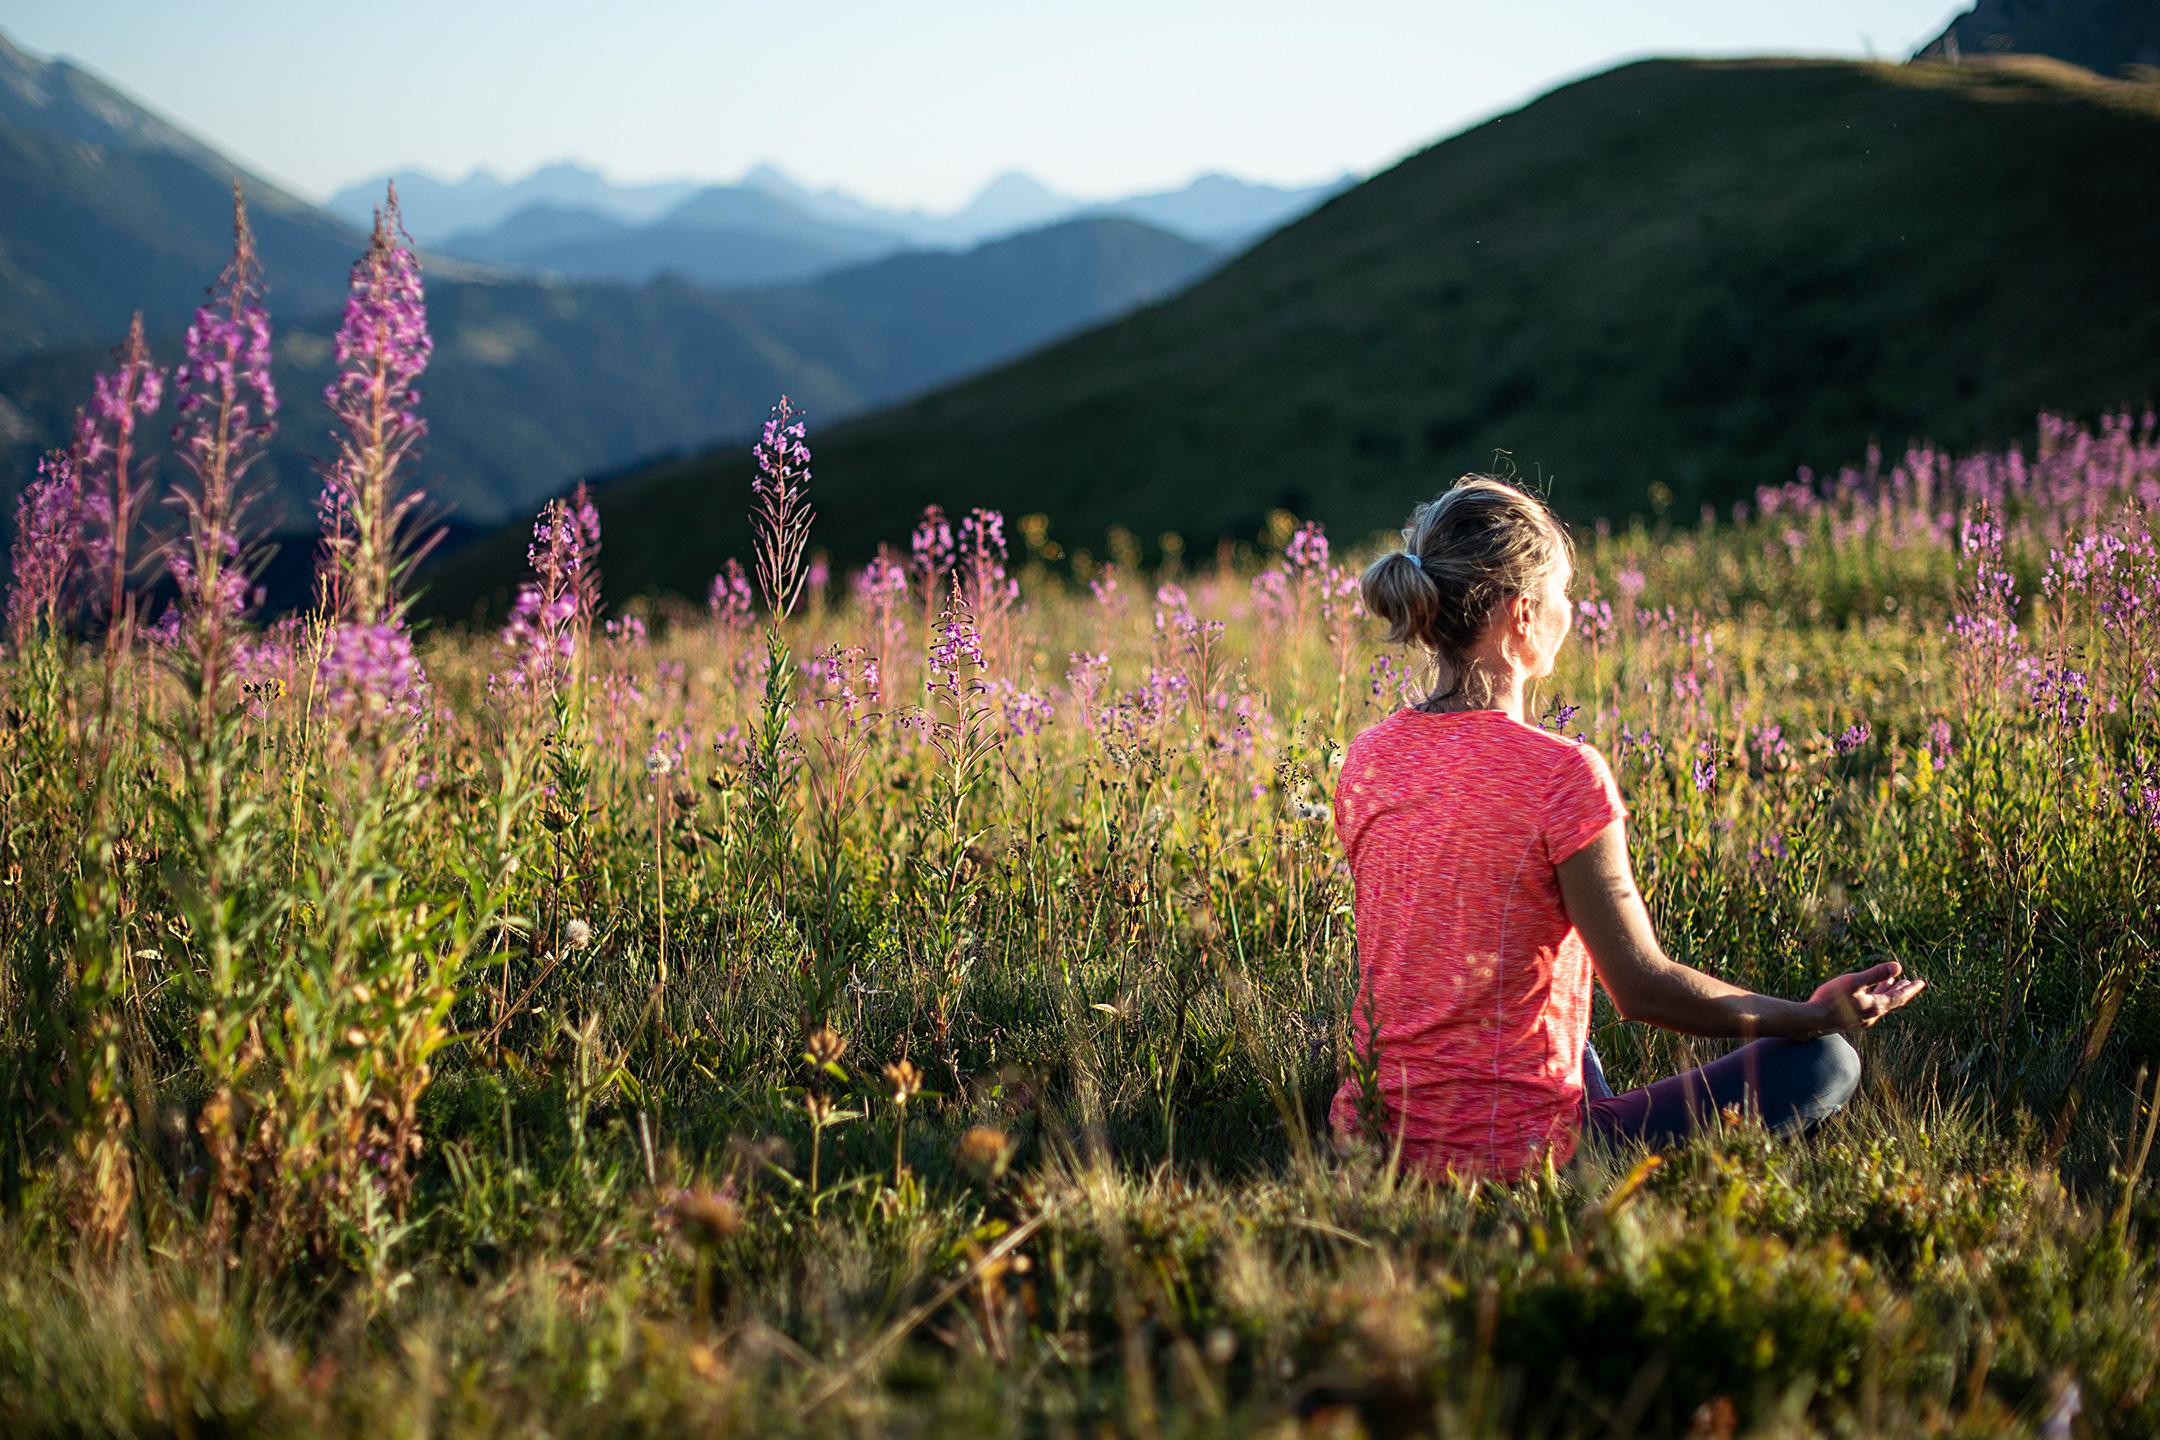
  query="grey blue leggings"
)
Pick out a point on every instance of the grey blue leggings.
point(1791, 1084)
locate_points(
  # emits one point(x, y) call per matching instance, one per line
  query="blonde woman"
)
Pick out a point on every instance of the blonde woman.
point(1492, 879)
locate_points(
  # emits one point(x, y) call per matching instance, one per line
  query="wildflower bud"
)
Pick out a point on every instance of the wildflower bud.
point(986, 1150)
point(904, 1080)
point(824, 1047)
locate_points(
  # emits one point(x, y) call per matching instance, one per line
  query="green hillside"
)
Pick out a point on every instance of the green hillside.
point(1688, 275)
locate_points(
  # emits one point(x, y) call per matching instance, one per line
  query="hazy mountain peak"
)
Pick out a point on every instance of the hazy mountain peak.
point(1008, 186)
point(767, 176)
point(558, 170)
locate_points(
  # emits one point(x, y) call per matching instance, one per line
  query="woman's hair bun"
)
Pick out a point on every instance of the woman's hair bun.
point(1463, 553)
point(1397, 589)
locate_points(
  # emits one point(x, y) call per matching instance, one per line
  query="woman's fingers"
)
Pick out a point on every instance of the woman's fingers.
point(1877, 974)
point(1880, 999)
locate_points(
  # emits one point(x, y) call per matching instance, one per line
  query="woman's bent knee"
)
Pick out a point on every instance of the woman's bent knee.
point(1829, 1074)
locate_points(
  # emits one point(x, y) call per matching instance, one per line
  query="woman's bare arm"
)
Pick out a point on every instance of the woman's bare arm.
point(1597, 884)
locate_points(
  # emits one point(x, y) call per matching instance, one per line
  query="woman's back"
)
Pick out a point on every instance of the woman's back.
point(1474, 997)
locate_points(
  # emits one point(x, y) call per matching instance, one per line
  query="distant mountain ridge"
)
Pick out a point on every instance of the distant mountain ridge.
point(725, 236)
point(484, 217)
point(436, 209)
point(2108, 36)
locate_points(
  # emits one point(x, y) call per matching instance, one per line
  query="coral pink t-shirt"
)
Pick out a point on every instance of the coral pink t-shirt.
point(1469, 967)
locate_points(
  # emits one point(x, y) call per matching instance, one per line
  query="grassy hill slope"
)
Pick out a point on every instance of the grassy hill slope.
point(1687, 275)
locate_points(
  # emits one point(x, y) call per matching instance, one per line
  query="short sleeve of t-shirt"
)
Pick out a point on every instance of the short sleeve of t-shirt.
point(1583, 800)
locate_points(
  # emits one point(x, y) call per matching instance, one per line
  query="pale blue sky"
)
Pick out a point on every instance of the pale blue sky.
point(900, 101)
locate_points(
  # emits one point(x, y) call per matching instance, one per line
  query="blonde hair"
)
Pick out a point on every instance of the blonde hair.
point(1464, 554)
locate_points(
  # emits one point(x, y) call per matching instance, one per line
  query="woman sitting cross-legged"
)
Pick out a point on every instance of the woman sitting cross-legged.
point(1491, 870)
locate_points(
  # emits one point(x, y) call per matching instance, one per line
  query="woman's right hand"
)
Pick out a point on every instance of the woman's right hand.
point(1858, 1000)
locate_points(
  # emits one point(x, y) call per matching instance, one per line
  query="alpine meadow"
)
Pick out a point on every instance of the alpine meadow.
point(901, 990)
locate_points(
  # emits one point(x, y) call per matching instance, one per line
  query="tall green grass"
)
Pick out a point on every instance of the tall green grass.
point(977, 1083)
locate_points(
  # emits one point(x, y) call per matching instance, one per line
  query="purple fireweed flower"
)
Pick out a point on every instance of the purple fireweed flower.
point(371, 678)
point(382, 346)
point(1173, 610)
point(728, 597)
point(2061, 694)
point(1086, 675)
point(1560, 716)
point(930, 548)
point(1629, 582)
point(1647, 750)
point(226, 394)
point(1706, 766)
point(382, 340)
point(982, 555)
point(1939, 749)
point(552, 616)
point(1103, 585)
point(622, 695)
point(1388, 674)
point(1770, 746)
point(1025, 713)
point(1271, 594)
point(1986, 625)
point(228, 409)
point(1164, 692)
point(781, 514)
point(1851, 738)
point(1307, 548)
point(956, 663)
point(1341, 601)
point(105, 464)
point(48, 538)
point(2138, 784)
point(227, 594)
point(165, 633)
point(882, 578)
point(1594, 620)
point(844, 678)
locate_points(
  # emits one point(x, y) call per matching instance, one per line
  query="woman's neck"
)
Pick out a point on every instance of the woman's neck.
point(1479, 688)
